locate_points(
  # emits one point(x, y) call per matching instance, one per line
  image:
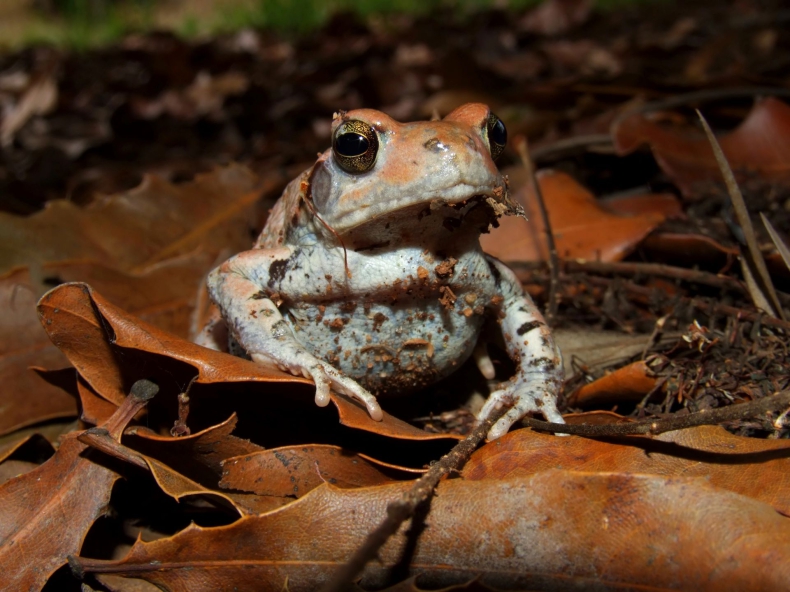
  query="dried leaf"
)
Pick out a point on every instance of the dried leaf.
point(748, 466)
point(598, 349)
point(296, 470)
point(32, 438)
point(583, 227)
point(761, 144)
point(132, 230)
point(534, 531)
point(629, 383)
point(90, 331)
point(27, 399)
point(176, 484)
point(46, 513)
point(198, 455)
point(11, 469)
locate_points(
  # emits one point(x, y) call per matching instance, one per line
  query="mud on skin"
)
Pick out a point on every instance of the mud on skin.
point(369, 277)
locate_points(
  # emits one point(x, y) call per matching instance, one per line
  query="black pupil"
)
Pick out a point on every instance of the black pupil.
point(498, 133)
point(351, 144)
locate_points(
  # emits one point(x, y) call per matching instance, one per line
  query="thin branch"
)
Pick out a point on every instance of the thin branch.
point(554, 260)
point(401, 510)
point(739, 205)
point(657, 270)
point(774, 403)
point(141, 392)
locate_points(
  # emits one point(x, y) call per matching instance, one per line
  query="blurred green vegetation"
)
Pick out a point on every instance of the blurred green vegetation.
point(82, 24)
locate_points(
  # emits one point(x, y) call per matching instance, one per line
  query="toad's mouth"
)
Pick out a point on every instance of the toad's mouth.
point(484, 207)
point(430, 222)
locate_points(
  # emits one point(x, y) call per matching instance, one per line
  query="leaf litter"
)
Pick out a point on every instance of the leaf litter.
point(116, 172)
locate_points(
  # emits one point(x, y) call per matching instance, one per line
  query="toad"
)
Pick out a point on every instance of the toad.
point(369, 278)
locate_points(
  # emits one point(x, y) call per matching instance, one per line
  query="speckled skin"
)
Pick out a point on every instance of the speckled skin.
point(375, 283)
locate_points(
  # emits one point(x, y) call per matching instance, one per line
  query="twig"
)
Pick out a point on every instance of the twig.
point(141, 392)
point(739, 205)
point(554, 260)
point(756, 408)
point(657, 269)
point(107, 437)
point(401, 510)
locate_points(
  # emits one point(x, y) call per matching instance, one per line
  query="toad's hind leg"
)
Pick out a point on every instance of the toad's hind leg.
point(256, 323)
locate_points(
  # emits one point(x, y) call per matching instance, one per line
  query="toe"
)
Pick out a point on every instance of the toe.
point(321, 387)
point(494, 402)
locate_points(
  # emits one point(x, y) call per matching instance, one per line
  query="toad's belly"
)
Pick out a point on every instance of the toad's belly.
point(387, 348)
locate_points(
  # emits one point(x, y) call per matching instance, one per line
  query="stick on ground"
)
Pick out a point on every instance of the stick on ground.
point(401, 510)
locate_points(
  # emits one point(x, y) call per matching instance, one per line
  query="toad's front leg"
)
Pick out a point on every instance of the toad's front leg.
point(529, 343)
point(237, 288)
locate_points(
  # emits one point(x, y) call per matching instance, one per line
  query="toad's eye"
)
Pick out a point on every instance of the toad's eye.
point(497, 136)
point(355, 146)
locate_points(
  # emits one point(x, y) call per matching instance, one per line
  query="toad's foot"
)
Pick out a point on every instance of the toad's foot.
point(526, 393)
point(325, 377)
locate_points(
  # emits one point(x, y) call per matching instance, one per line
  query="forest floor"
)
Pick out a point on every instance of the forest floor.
point(138, 166)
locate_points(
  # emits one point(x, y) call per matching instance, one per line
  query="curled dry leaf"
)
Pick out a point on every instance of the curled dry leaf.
point(212, 460)
point(163, 295)
point(629, 383)
point(761, 145)
point(35, 443)
point(756, 468)
point(210, 213)
point(296, 470)
point(583, 227)
point(178, 485)
point(198, 455)
point(46, 513)
point(596, 349)
point(553, 530)
point(90, 331)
